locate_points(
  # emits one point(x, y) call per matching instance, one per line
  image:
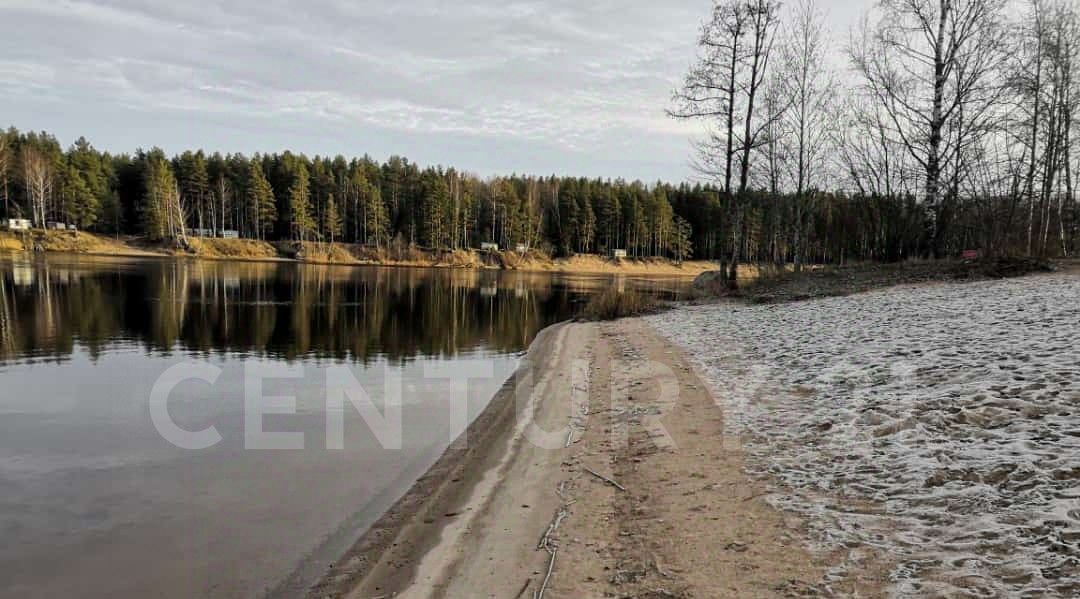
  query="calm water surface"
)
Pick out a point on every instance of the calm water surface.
point(94, 502)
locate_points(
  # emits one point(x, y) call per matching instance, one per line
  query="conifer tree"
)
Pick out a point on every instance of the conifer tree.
point(79, 206)
point(260, 199)
point(301, 221)
point(681, 246)
point(162, 212)
point(332, 224)
point(376, 217)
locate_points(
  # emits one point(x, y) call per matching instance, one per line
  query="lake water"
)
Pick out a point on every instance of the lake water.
point(95, 501)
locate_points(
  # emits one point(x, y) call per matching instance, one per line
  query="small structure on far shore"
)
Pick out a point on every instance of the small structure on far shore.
point(223, 234)
point(489, 247)
point(618, 254)
point(521, 248)
point(17, 224)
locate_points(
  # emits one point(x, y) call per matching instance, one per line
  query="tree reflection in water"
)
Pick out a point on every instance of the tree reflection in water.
point(280, 310)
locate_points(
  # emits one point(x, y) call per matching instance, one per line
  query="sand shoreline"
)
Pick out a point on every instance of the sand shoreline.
point(387, 554)
point(646, 497)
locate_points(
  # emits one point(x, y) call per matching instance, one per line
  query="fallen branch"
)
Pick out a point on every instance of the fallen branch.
point(555, 522)
point(607, 480)
point(551, 566)
point(524, 588)
point(561, 492)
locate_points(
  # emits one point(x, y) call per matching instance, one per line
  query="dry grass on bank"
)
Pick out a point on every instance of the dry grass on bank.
point(317, 252)
point(613, 304)
point(396, 254)
point(833, 280)
point(81, 243)
point(594, 264)
point(10, 242)
point(231, 249)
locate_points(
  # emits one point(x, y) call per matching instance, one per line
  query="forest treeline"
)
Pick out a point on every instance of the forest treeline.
point(953, 126)
point(290, 196)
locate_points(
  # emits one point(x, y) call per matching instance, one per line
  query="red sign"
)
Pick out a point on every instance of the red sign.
point(971, 254)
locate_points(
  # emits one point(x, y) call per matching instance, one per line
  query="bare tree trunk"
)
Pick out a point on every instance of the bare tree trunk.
point(37, 178)
point(937, 116)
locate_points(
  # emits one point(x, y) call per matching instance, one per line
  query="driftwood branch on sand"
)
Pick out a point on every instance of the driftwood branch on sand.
point(606, 479)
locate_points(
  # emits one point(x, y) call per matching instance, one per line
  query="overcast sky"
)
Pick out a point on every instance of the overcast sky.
point(575, 87)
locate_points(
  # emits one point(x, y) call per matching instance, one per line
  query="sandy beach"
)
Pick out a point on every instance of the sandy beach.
point(607, 473)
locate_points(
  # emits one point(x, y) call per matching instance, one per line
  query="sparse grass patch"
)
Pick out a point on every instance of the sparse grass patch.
point(612, 304)
point(244, 249)
point(10, 243)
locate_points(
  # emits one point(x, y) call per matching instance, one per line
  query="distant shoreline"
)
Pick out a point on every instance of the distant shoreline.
point(342, 254)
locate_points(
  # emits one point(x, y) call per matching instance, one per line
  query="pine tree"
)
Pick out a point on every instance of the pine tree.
point(111, 214)
point(321, 185)
point(95, 170)
point(586, 223)
point(162, 212)
point(568, 212)
point(79, 205)
point(434, 210)
point(332, 226)
point(376, 217)
point(301, 222)
point(194, 182)
point(260, 200)
point(681, 246)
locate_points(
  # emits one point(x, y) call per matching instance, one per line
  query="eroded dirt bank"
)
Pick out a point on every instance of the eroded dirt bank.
point(606, 475)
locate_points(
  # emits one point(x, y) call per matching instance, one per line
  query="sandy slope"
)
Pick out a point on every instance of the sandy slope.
point(684, 521)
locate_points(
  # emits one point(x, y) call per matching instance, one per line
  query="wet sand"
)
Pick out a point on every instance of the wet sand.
point(606, 474)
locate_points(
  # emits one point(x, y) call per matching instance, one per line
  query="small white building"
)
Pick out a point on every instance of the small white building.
point(618, 254)
point(17, 224)
point(521, 248)
point(230, 234)
point(489, 247)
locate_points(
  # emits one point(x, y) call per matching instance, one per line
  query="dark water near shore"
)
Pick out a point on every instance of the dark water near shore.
point(95, 502)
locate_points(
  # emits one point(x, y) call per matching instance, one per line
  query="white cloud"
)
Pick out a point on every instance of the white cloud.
point(579, 85)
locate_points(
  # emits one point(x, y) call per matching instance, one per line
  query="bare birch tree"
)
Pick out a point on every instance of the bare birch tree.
point(38, 181)
point(724, 87)
point(5, 168)
point(1045, 97)
point(810, 115)
point(932, 65)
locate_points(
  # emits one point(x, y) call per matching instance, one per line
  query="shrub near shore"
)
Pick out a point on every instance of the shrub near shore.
point(613, 304)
